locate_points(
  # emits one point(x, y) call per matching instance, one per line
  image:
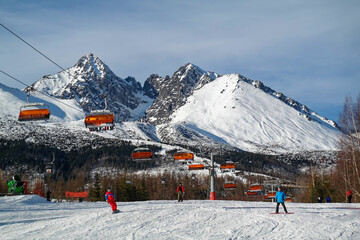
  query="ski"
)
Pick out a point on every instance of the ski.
point(116, 211)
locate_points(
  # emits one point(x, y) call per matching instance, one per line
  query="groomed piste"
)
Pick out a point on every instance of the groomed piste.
point(31, 217)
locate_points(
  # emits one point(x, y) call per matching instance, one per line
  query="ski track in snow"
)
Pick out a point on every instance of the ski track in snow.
point(31, 217)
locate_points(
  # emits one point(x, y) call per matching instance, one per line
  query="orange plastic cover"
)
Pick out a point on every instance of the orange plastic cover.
point(95, 120)
point(271, 194)
point(76, 194)
point(183, 156)
point(255, 188)
point(251, 193)
point(196, 166)
point(141, 155)
point(229, 185)
point(34, 114)
point(227, 166)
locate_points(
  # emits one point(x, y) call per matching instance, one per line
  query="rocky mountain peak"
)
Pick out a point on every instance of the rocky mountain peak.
point(172, 92)
point(91, 63)
point(87, 81)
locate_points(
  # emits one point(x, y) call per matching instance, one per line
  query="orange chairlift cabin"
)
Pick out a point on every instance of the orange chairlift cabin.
point(100, 119)
point(229, 185)
point(255, 189)
point(183, 157)
point(141, 154)
point(34, 111)
point(270, 195)
point(197, 166)
point(228, 166)
point(50, 167)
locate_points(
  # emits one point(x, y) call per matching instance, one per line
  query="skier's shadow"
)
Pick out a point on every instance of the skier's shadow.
point(130, 211)
point(28, 221)
point(232, 208)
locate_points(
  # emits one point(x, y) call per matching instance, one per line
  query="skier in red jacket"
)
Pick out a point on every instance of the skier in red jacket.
point(181, 192)
point(349, 196)
point(110, 198)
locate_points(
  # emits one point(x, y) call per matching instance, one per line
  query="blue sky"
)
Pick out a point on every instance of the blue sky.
point(308, 50)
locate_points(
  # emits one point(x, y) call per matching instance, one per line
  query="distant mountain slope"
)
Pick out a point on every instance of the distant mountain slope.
point(245, 114)
point(12, 99)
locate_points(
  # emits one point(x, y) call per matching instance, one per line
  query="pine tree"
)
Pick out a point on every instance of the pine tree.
point(95, 189)
point(144, 195)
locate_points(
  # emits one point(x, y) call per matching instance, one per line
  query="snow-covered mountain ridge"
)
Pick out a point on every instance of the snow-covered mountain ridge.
point(193, 107)
point(241, 112)
point(88, 80)
point(172, 93)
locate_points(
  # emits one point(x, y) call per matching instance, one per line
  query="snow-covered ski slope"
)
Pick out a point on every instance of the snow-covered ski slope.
point(245, 116)
point(31, 217)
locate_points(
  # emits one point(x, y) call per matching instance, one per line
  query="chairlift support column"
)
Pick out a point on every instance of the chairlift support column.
point(212, 180)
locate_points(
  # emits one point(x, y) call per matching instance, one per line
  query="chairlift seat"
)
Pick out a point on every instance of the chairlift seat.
point(229, 185)
point(100, 119)
point(141, 154)
point(196, 167)
point(183, 156)
point(31, 112)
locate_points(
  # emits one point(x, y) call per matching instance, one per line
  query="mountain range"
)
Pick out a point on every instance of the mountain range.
point(192, 107)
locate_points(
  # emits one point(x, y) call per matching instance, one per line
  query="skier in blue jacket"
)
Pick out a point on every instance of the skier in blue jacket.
point(280, 198)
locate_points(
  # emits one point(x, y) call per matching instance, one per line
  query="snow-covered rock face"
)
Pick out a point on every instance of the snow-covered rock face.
point(246, 114)
point(172, 93)
point(87, 81)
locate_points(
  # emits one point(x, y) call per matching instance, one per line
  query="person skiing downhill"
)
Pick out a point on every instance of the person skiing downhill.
point(110, 198)
point(181, 192)
point(280, 199)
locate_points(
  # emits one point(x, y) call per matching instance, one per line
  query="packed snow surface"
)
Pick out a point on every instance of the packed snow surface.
point(31, 217)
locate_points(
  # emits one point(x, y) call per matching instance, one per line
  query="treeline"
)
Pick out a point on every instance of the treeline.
point(21, 157)
point(72, 170)
point(140, 187)
point(345, 175)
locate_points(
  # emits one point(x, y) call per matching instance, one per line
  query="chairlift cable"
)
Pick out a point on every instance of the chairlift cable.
point(42, 54)
point(55, 99)
point(52, 61)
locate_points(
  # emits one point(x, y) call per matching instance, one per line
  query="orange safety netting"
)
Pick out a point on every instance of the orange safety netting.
point(76, 194)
